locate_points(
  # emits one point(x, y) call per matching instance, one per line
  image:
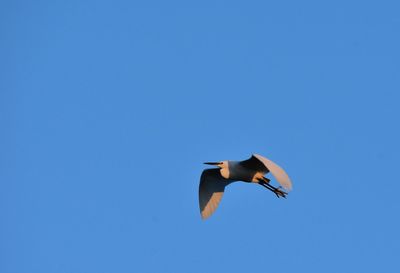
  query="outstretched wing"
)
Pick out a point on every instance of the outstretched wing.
point(260, 163)
point(211, 189)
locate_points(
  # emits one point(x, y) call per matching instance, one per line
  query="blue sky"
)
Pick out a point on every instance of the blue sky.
point(109, 108)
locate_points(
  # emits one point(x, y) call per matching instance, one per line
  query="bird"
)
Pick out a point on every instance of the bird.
point(253, 170)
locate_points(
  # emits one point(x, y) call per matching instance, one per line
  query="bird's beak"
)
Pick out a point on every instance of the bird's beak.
point(211, 163)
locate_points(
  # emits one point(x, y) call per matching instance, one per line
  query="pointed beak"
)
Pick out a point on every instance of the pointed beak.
point(211, 163)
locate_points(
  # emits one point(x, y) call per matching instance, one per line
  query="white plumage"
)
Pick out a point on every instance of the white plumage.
point(252, 170)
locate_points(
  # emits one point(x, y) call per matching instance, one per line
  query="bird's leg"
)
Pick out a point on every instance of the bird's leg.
point(277, 191)
point(265, 183)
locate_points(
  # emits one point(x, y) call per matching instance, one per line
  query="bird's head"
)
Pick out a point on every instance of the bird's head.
point(221, 164)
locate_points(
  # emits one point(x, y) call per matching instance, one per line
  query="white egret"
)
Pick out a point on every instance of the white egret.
point(252, 170)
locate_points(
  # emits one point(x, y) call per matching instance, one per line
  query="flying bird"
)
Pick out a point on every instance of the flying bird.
point(252, 170)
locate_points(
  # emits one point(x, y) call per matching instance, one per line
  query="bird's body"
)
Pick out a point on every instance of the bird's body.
point(234, 170)
point(252, 170)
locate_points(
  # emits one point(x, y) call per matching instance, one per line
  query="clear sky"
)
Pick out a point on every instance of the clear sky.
point(109, 108)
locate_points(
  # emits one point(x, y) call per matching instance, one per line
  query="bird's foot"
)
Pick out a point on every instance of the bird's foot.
point(279, 193)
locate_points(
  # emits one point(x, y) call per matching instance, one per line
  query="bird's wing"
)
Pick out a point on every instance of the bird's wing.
point(253, 163)
point(211, 189)
point(279, 174)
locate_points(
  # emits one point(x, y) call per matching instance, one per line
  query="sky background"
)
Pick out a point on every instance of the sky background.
point(109, 108)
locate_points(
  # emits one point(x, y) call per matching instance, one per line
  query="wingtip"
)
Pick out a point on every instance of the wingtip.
point(204, 217)
point(288, 188)
point(287, 184)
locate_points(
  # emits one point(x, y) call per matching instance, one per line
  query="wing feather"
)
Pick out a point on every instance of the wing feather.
point(211, 190)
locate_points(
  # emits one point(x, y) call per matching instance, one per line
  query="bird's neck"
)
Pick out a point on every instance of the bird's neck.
point(227, 169)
